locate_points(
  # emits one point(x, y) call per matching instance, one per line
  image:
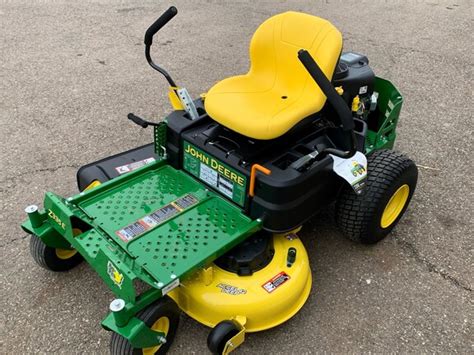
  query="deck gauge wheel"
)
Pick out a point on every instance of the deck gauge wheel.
point(220, 335)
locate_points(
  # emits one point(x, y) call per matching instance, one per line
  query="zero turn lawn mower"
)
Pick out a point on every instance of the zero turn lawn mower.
point(205, 219)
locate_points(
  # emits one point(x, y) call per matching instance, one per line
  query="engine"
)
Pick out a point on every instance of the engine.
point(354, 75)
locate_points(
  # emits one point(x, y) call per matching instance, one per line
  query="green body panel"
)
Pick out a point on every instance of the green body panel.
point(389, 105)
point(46, 232)
point(225, 179)
point(189, 238)
point(160, 137)
point(104, 256)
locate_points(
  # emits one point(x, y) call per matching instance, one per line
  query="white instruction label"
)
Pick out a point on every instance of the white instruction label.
point(133, 166)
point(211, 177)
point(170, 287)
point(353, 170)
point(225, 186)
point(208, 175)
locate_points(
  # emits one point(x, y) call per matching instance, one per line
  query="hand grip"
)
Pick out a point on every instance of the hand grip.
point(158, 24)
point(336, 101)
point(139, 121)
point(253, 176)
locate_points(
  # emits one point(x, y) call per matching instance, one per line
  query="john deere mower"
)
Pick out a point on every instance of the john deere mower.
point(205, 220)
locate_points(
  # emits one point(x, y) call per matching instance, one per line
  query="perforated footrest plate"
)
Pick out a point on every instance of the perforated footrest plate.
point(168, 222)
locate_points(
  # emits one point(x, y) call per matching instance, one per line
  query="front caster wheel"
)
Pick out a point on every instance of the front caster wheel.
point(220, 335)
point(161, 316)
point(54, 259)
point(391, 181)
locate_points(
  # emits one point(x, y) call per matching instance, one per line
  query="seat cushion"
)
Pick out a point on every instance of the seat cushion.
point(277, 92)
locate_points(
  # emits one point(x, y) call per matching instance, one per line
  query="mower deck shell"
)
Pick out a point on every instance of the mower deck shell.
point(214, 294)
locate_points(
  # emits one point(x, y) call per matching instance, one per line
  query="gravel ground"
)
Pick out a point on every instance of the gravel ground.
point(71, 71)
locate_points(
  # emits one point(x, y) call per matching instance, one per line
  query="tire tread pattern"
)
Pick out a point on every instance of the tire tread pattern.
point(121, 346)
point(46, 257)
point(355, 214)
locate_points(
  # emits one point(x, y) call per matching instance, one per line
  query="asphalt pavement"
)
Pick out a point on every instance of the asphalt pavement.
point(70, 71)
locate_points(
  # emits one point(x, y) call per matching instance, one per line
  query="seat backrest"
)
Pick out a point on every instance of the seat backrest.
point(274, 55)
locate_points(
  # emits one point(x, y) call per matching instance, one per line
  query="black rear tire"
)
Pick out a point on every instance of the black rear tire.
point(360, 216)
point(163, 307)
point(220, 335)
point(53, 259)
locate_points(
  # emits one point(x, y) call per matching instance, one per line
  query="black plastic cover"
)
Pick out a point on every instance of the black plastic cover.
point(355, 76)
point(249, 256)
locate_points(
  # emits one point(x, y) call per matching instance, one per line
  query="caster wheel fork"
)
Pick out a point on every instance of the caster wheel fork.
point(227, 336)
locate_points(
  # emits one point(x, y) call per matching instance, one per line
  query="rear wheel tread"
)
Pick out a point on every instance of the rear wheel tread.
point(355, 214)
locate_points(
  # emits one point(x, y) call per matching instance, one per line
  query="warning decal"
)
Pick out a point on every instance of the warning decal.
point(134, 166)
point(276, 281)
point(156, 218)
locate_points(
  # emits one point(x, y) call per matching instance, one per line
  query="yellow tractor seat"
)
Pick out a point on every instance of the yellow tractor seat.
point(277, 92)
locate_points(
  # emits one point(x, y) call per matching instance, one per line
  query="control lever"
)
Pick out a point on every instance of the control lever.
point(140, 121)
point(304, 161)
point(181, 93)
point(307, 160)
point(150, 32)
point(339, 105)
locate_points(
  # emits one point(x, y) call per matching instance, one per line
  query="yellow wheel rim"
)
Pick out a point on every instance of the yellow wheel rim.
point(93, 184)
point(395, 206)
point(65, 254)
point(161, 325)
